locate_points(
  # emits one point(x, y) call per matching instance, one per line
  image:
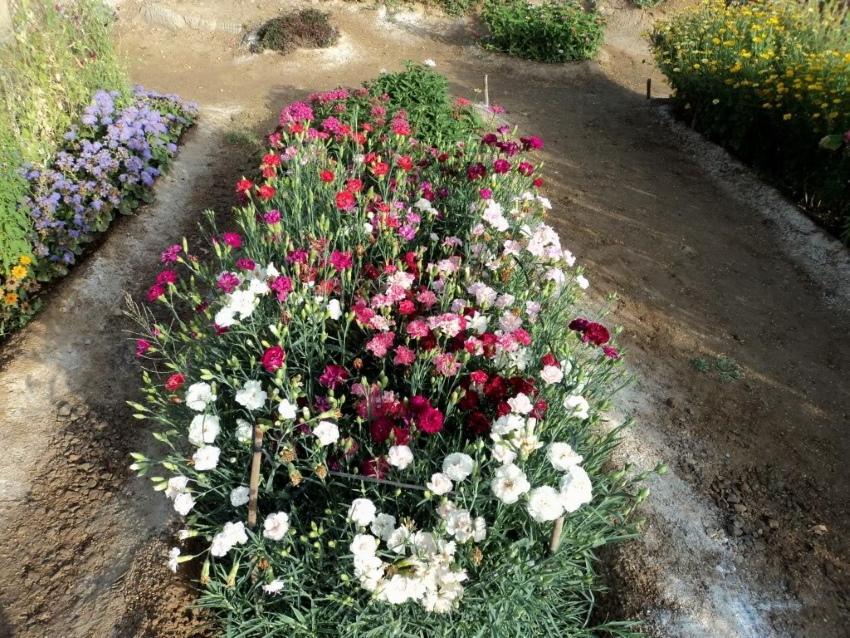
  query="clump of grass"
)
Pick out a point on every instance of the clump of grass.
point(305, 29)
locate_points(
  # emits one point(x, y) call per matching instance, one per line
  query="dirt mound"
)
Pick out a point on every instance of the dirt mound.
point(305, 29)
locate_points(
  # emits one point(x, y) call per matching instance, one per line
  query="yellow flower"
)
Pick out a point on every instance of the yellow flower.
point(787, 117)
point(10, 298)
point(19, 272)
point(25, 260)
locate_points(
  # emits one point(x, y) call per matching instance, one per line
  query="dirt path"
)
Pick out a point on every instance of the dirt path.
point(747, 535)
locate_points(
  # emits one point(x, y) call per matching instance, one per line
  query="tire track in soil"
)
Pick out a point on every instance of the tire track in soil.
point(80, 553)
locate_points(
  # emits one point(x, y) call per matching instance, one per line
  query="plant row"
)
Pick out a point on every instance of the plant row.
point(378, 402)
point(106, 165)
point(771, 81)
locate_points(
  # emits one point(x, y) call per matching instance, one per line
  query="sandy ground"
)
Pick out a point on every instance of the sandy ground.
point(734, 309)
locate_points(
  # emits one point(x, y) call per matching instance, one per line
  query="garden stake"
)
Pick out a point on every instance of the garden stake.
point(486, 91)
point(555, 541)
point(648, 88)
point(255, 476)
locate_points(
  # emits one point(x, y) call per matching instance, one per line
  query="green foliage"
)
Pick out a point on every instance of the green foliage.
point(769, 80)
point(548, 32)
point(307, 28)
point(424, 95)
point(49, 69)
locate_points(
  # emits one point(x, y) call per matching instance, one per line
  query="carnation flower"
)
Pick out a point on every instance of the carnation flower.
point(206, 458)
point(562, 456)
point(198, 396)
point(239, 496)
point(509, 483)
point(363, 545)
point(232, 534)
point(399, 456)
point(273, 359)
point(551, 374)
point(582, 282)
point(204, 428)
point(244, 431)
point(274, 587)
point(575, 488)
point(439, 484)
point(334, 309)
point(544, 504)
point(457, 466)
point(276, 526)
point(383, 526)
point(176, 485)
point(183, 503)
point(362, 511)
point(520, 404)
point(326, 432)
point(174, 382)
point(173, 559)
point(286, 410)
point(577, 405)
point(251, 395)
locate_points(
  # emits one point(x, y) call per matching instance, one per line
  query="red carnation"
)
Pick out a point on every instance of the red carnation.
point(380, 169)
point(479, 377)
point(326, 176)
point(380, 429)
point(266, 192)
point(596, 333)
point(244, 185)
point(405, 163)
point(175, 382)
point(354, 185)
point(273, 359)
point(579, 324)
point(401, 435)
point(478, 423)
point(333, 376)
point(344, 200)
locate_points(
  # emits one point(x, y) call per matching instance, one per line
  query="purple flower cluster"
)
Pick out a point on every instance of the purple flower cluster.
point(106, 165)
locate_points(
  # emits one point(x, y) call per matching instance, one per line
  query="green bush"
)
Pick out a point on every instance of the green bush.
point(549, 32)
point(769, 80)
point(424, 95)
point(58, 57)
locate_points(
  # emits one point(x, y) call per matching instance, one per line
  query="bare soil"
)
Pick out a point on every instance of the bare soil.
point(735, 321)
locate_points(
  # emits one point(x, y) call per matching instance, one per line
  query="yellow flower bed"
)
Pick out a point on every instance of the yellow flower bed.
point(768, 79)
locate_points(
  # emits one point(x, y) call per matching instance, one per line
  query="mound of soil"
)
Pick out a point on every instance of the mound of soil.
point(305, 29)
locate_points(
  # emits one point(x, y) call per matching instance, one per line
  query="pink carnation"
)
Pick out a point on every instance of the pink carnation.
point(446, 365)
point(381, 343)
point(404, 356)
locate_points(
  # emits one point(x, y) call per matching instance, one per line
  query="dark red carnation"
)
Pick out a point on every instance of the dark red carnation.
point(596, 333)
point(273, 359)
point(478, 423)
point(333, 376)
point(375, 467)
point(380, 429)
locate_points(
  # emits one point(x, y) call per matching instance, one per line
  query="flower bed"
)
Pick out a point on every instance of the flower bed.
point(377, 403)
point(107, 164)
point(769, 80)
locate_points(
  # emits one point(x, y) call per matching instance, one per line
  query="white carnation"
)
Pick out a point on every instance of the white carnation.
point(286, 410)
point(334, 309)
point(198, 395)
point(176, 485)
point(204, 428)
point(509, 483)
point(206, 458)
point(239, 495)
point(362, 511)
point(551, 374)
point(244, 431)
point(183, 503)
point(383, 526)
point(397, 541)
point(276, 526)
point(544, 504)
point(577, 405)
point(457, 466)
point(399, 456)
point(363, 545)
point(439, 484)
point(576, 488)
point(562, 456)
point(326, 432)
point(252, 395)
point(274, 587)
point(582, 282)
point(521, 404)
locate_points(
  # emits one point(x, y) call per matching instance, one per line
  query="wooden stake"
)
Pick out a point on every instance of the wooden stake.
point(648, 88)
point(254, 485)
point(555, 541)
point(486, 91)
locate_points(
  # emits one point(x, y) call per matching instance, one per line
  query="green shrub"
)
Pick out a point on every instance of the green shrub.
point(424, 95)
point(305, 29)
point(769, 80)
point(58, 57)
point(549, 32)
